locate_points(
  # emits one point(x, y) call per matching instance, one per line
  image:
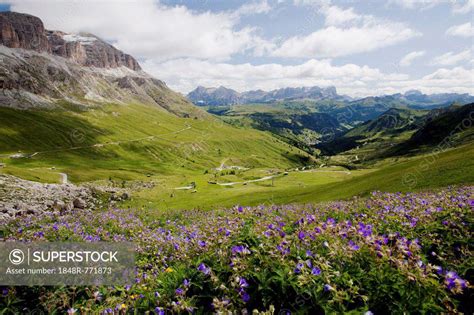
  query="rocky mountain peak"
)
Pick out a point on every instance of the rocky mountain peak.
point(18, 30)
point(225, 96)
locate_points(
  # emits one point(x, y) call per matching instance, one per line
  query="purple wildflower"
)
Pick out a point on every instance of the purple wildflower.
point(204, 269)
point(298, 268)
point(243, 283)
point(240, 249)
point(301, 235)
point(353, 246)
point(159, 311)
point(245, 297)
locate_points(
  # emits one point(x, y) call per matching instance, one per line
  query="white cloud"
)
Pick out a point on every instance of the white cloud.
point(417, 4)
point(455, 80)
point(253, 8)
point(312, 2)
point(348, 77)
point(458, 6)
point(467, 7)
point(451, 58)
point(337, 16)
point(337, 41)
point(346, 33)
point(408, 58)
point(463, 30)
point(151, 30)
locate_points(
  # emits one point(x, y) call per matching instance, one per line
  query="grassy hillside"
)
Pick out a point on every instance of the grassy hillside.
point(453, 124)
point(391, 127)
point(438, 169)
point(451, 167)
point(198, 163)
point(296, 123)
point(129, 142)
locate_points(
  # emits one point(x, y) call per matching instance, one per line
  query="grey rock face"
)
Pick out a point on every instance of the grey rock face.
point(18, 30)
point(22, 198)
point(25, 31)
point(79, 203)
point(224, 96)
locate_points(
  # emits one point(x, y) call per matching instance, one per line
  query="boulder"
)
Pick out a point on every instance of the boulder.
point(79, 203)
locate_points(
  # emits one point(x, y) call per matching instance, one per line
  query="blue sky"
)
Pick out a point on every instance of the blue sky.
point(361, 47)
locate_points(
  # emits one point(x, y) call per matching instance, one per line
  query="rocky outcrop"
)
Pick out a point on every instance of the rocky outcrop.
point(19, 30)
point(25, 31)
point(73, 50)
point(89, 50)
point(21, 198)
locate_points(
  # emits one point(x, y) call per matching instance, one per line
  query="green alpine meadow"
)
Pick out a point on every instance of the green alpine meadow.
point(242, 157)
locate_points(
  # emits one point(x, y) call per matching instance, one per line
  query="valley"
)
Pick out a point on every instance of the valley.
point(231, 201)
point(130, 128)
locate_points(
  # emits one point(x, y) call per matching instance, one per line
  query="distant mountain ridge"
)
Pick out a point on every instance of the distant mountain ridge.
point(416, 99)
point(223, 96)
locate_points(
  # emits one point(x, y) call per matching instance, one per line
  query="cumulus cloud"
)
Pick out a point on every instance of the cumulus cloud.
point(312, 2)
point(350, 79)
point(408, 58)
point(463, 8)
point(153, 30)
point(266, 76)
point(451, 58)
point(337, 16)
point(417, 4)
point(336, 41)
point(253, 8)
point(457, 80)
point(462, 30)
point(347, 32)
point(458, 6)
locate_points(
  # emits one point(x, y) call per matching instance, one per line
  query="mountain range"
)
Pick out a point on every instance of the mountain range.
point(223, 96)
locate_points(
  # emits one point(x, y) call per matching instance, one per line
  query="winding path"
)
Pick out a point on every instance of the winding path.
point(153, 137)
point(248, 181)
